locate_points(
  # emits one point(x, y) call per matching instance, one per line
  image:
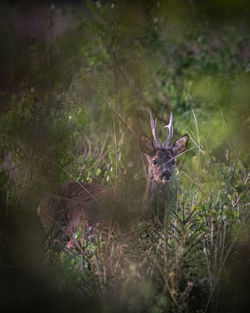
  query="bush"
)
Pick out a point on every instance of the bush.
point(68, 109)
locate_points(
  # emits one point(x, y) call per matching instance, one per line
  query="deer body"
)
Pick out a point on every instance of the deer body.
point(78, 203)
point(74, 204)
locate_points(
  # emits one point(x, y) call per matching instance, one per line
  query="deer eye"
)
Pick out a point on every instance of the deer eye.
point(154, 162)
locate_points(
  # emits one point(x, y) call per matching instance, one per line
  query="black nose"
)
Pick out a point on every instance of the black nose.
point(166, 174)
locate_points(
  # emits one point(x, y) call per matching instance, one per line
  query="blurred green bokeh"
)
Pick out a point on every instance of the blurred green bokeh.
point(74, 77)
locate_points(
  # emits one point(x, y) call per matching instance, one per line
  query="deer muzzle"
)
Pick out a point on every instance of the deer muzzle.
point(166, 176)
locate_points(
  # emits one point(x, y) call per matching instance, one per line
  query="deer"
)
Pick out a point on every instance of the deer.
point(161, 159)
point(81, 203)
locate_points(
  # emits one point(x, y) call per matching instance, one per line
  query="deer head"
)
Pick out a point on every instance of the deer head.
point(162, 156)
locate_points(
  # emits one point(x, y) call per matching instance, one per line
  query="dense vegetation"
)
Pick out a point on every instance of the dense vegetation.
point(67, 104)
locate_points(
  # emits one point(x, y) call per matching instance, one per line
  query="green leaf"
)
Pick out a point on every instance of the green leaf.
point(98, 171)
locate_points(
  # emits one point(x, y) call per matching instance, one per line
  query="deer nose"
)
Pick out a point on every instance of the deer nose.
point(166, 175)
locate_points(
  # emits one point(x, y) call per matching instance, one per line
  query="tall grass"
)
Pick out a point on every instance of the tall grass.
point(72, 108)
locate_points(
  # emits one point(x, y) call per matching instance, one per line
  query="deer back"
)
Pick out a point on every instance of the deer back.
point(74, 204)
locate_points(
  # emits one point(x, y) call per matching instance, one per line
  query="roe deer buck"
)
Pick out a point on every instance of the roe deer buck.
point(86, 203)
point(161, 162)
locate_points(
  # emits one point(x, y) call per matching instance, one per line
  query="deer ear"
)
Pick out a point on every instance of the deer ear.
point(180, 145)
point(147, 145)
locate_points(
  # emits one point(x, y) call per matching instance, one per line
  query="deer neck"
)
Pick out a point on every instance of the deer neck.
point(154, 191)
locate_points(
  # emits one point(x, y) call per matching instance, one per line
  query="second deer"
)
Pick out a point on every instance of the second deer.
point(78, 203)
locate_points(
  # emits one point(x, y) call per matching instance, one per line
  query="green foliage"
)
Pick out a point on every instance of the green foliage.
point(66, 116)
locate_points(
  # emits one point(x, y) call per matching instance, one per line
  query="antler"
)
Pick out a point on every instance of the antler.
point(153, 127)
point(171, 131)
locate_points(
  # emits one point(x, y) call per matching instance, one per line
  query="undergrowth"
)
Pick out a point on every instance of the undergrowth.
point(72, 109)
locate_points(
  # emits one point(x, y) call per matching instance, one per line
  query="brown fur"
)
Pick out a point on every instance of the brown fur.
point(87, 204)
point(75, 203)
